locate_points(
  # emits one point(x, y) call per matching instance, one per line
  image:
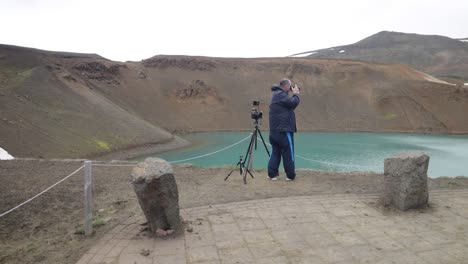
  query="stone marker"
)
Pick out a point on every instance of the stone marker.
point(405, 180)
point(155, 186)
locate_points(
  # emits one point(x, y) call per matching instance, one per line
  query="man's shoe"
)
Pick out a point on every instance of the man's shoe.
point(272, 178)
point(288, 179)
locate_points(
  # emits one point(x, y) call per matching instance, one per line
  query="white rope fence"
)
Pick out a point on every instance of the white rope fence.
point(39, 194)
point(114, 165)
point(211, 153)
point(88, 163)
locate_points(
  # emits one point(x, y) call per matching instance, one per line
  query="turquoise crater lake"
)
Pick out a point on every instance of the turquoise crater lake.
point(334, 151)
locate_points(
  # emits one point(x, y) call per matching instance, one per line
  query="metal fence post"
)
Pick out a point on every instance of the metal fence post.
point(88, 198)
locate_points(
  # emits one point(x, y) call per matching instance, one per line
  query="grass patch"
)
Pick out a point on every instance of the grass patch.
point(97, 222)
point(102, 144)
point(390, 116)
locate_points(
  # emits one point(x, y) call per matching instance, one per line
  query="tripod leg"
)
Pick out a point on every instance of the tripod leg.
point(264, 144)
point(250, 174)
point(238, 163)
point(249, 163)
point(255, 135)
point(225, 179)
point(248, 149)
point(250, 160)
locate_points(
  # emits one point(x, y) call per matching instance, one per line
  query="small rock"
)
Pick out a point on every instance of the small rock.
point(190, 229)
point(145, 252)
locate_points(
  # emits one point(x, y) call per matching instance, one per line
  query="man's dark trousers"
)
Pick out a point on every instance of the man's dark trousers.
point(283, 146)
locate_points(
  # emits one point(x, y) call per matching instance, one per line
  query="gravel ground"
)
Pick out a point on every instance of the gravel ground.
point(47, 230)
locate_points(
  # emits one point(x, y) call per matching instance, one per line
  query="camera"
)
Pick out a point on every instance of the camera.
point(294, 85)
point(255, 114)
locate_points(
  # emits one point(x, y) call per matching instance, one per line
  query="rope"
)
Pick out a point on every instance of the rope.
point(39, 194)
point(214, 152)
point(335, 164)
point(175, 161)
point(114, 165)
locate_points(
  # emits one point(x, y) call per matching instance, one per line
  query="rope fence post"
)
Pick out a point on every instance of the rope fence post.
point(88, 198)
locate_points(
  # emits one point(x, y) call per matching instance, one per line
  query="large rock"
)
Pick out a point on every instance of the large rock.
point(405, 179)
point(155, 186)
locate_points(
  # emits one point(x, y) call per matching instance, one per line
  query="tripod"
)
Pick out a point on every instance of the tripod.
point(243, 169)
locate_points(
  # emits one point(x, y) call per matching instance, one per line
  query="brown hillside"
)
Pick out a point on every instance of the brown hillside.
point(47, 112)
point(71, 105)
point(204, 94)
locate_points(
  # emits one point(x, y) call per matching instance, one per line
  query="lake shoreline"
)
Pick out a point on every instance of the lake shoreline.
point(332, 151)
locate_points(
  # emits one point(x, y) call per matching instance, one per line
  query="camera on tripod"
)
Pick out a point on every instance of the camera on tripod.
point(255, 114)
point(245, 165)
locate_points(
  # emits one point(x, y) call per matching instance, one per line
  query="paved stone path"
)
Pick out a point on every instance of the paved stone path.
point(312, 229)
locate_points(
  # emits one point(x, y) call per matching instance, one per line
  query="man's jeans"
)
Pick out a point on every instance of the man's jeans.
point(283, 146)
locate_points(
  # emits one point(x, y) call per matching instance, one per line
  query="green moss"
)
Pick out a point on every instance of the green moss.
point(15, 74)
point(102, 144)
point(80, 231)
point(97, 222)
point(390, 116)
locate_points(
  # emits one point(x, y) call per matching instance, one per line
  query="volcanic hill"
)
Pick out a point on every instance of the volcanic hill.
point(433, 54)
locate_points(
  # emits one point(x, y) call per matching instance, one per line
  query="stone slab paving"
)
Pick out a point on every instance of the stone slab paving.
point(311, 229)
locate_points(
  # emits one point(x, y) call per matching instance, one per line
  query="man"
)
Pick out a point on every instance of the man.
point(282, 129)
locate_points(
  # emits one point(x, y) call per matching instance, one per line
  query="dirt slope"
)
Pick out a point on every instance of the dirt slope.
point(73, 105)
point(46, 112)
point(197, 93)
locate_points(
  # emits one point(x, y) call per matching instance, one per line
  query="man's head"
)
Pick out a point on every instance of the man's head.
point(285, 84)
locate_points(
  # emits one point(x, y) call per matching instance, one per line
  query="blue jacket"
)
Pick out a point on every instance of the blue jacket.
point(282, 117)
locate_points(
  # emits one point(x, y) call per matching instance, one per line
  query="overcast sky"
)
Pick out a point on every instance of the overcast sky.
point(138, 29)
